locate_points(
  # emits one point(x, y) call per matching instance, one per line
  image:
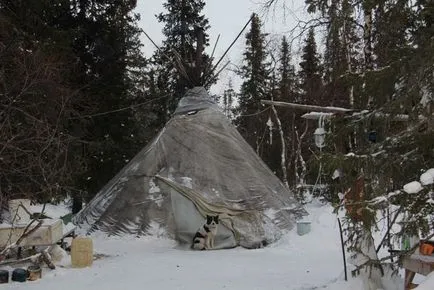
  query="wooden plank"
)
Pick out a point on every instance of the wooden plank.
point(420, 266)
point(48, 233)
point(409, 276)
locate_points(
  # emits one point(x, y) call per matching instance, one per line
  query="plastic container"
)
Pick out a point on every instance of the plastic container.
point(426, 248)
point(408, 242)
point(303, 227)
point(18, 214)
point(81, 252)
point(4, 276)
point(19, 275)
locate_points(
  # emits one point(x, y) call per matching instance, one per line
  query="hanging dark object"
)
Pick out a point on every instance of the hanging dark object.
point(372, 136)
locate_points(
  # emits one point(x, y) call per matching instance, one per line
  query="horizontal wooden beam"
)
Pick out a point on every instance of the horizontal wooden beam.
point(312, 108)
point(419, 264)
point(314, 112)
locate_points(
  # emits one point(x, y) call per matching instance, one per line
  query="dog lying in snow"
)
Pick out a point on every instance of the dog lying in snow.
point(205, 235)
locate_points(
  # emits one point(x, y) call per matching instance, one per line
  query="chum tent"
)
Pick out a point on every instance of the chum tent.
point(198, 164)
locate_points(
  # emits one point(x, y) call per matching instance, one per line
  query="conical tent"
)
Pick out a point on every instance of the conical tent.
point(198, 164)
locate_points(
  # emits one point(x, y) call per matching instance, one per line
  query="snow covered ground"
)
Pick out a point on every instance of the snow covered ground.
point(312, 261)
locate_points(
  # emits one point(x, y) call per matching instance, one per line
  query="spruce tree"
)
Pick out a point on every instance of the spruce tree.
point(393, 137)
point(99, 40)
point(251, 122)
point(286, 74)
point(108, 51)
point(184, 23)
point(310, 72)
point(340, 41)
point(41, 151)
point(393, 133)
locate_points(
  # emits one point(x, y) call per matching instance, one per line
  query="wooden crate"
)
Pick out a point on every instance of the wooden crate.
point(49, 233)
point(416, 264)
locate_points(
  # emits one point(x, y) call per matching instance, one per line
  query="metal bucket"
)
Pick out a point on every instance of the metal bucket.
point(34, 272)
point(303, 227)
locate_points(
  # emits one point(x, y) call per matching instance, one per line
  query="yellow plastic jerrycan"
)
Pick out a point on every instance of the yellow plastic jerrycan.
point(81, 252)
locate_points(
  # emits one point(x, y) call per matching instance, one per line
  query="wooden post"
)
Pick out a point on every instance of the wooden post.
point(413, 264)
point(197, 70)
point(343, 249)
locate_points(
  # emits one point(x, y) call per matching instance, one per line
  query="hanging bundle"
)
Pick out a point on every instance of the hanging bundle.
point(270, 128)
point(319, 136)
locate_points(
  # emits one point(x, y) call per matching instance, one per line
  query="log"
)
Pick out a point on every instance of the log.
point(311, 108)
point(47, 259)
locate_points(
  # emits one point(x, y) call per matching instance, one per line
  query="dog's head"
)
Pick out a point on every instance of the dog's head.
point(212, 220)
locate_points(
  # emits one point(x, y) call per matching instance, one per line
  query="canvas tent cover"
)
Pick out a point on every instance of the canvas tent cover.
point(198, 164)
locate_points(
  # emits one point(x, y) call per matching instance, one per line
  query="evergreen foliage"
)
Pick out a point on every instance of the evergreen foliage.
point(109, 56)
point(95, 55)
point(390, 144)
point(183, 22)
point(310, 72)
point(39, 155)
point(255, 73)
point(286, 74)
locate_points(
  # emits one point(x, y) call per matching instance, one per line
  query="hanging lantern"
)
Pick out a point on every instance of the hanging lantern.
point(319, 135)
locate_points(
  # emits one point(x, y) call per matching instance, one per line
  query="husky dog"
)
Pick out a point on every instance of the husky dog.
point(205, 235)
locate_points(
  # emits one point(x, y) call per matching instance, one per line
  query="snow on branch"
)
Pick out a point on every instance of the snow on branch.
point(317, 115)
point(414, 187)
point(380, 115)
point(376, 154)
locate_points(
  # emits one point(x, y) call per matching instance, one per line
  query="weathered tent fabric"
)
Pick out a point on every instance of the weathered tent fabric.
point(199, 164)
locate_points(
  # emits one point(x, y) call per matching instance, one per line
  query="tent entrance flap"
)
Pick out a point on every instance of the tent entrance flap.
point(188, 220)
point(249, 228)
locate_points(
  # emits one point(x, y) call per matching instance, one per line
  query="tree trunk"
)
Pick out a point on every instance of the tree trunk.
point(283, 155)
point(77, 203)
point(367, 36)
